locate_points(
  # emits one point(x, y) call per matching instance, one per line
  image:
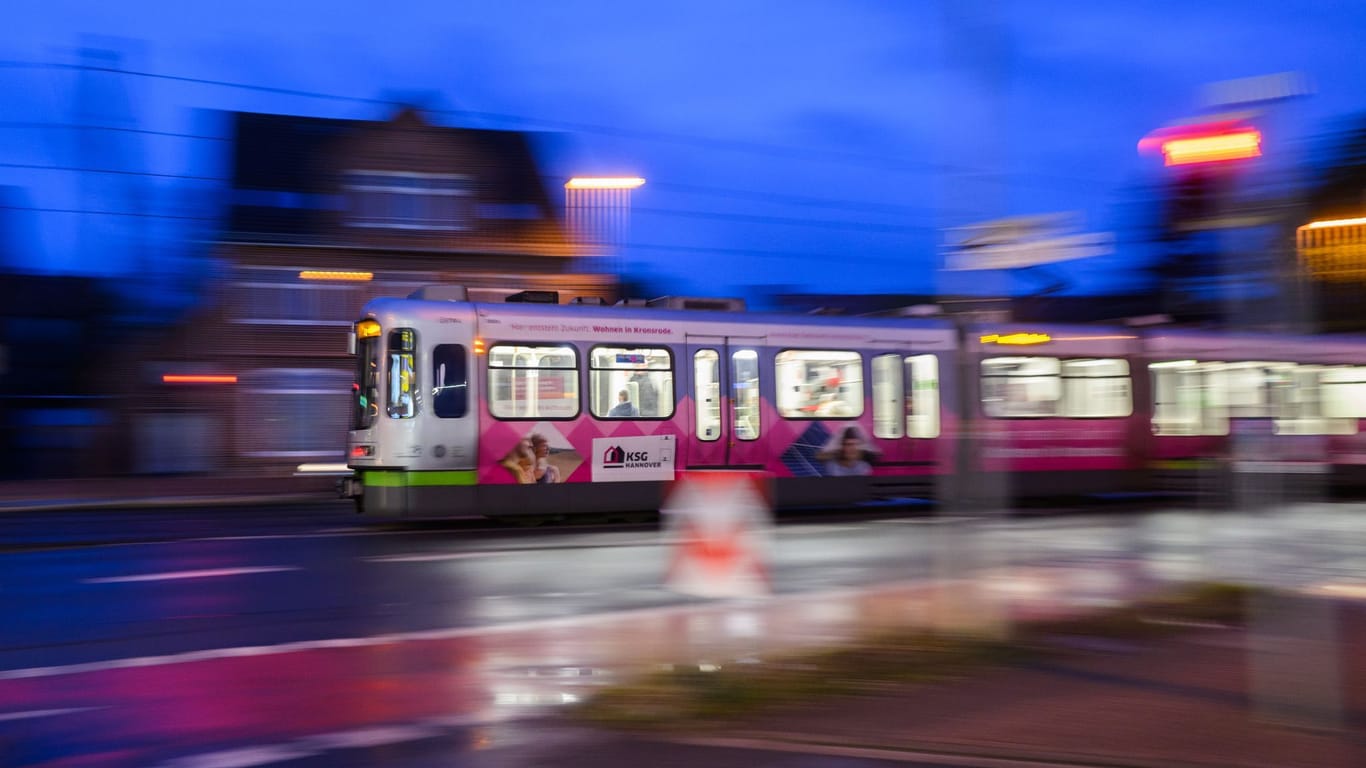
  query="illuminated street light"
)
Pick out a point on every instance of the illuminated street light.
point(604, 182)
point(1209, 142)
point(1210, 149)
point(1329, 223)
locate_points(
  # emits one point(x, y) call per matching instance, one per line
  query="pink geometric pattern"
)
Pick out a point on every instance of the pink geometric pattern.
point(776, 435)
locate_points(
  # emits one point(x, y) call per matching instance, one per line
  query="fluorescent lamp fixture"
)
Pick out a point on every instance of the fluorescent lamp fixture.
point(604, 182)
point(1209, 149)
point(1327, 223)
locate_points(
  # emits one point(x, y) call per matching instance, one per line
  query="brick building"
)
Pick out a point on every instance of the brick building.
point(323, 215)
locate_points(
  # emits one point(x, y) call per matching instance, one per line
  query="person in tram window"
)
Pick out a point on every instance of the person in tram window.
point(645, 390)
point(849, 457)
point(544, 471)
point(624, 409)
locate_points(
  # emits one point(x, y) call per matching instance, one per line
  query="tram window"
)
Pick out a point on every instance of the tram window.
point(1096, 389)
point(888, 396)
point(706, 383)
point(644, 374)
point(533, 382)
point(450, 381)
point(1305, 409)
point(744, 400)
point(817, 384)
point(1021, 387)
point(922, 396)
point(1189, 398)
point(402, 387)
point(1344, 393)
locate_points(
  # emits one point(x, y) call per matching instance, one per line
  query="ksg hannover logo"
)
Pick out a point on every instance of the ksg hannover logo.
point(618, 457)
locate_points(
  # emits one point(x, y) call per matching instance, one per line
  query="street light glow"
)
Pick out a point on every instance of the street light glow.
point(1326, 223)
point(604, 182)
point(1207, 149)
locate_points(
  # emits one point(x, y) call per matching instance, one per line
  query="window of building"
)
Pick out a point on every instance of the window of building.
point(276, 296)
point(888, 397)
point(922, 396)
point(744, 398)
point(533, 382)
point(1096, 389)
point(631, 383)
point(706, 380)
point(294, 413)
point(450, 381)
point(403, 200)
point(818, 384)
point(402, 376)
point(1021, 387)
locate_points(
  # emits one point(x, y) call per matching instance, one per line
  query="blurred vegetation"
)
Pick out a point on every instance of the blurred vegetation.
point(691, 696)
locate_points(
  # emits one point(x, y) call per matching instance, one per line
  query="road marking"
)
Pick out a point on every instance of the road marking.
point(36, 713)
point(431, 557)
point(436, 557)
point(204, 574)
point(893, 755)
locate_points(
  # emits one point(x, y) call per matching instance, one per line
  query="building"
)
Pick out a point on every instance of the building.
point(323, 215)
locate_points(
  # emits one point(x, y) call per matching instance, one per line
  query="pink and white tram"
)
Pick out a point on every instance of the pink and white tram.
point(542, 408)
point(1056, 410)
point(613, 401)
point(1256, 404)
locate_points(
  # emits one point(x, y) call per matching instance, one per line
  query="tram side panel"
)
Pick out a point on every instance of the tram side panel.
point(1054, 412)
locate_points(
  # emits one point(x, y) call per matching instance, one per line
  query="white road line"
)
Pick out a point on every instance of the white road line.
point(432, 557)
point(437, 557)
point(36, 713)
point(875, 753)
point(204, 574)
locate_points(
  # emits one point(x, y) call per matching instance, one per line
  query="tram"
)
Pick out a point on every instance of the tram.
point(533, 407)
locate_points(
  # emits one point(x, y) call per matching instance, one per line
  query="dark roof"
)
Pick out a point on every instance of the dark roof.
point(283, 180)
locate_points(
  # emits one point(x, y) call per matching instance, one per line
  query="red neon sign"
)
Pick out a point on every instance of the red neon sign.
point(198, 378)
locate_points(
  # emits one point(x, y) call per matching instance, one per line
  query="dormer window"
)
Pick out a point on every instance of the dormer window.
point(404, 200)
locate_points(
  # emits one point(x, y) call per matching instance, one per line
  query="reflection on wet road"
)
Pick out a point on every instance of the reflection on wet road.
point(252, 645)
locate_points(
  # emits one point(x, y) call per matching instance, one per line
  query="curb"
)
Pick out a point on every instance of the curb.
point(939, 754)
point(161, 502)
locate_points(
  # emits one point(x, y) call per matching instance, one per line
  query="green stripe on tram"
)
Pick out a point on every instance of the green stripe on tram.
point(387, 478)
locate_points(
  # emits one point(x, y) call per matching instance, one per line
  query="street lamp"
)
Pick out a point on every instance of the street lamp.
point(598, 212)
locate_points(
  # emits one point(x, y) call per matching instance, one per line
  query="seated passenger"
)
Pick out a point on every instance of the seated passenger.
point(624, 409)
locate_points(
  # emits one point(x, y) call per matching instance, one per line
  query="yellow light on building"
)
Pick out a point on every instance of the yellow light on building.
point(1333, 250)
point(320, 274)
point(604, 182)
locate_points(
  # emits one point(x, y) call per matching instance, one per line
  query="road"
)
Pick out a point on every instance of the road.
point(289, 635)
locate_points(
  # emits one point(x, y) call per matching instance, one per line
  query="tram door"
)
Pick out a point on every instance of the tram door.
point(726, 429)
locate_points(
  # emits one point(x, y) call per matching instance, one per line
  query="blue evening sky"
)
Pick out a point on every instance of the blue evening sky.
point(802, 145)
